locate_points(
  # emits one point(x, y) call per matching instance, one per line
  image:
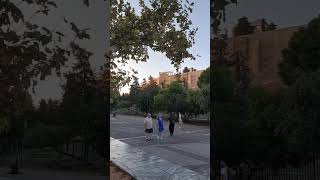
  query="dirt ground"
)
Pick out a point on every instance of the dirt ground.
point(118, 174)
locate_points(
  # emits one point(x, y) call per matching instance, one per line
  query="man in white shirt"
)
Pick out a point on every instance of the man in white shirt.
point(180, 120)
point(148, 126)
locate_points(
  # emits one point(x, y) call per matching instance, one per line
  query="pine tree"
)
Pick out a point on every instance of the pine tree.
point(152, 82)
point(134, 87)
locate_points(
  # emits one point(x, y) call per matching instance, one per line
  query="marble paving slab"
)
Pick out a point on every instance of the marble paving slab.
point(143, 165)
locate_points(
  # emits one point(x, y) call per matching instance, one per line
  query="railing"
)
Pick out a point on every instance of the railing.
point(310, 171)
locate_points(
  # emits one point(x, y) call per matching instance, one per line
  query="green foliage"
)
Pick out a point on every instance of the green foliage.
point(145, 98)
point(28, 53)
point(231, 134)
point(163, 26)
point(264, 116)
point(301, 57)
point(83, 104)
point(204, 78)
point(135, 88)
point(305, 99)
point(4, 124)
point(218, 12)
point(43, 136)
point(194, 103)
point(49, 112)
point(204, 92)
point(223, 84)
point(172, 99)
point(204, 98)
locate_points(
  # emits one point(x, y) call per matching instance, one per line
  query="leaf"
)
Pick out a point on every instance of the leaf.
point(52, 4)
point(234, 1)
point(59, 33)
point(74, 28)
point(86, 2)
point(65, 20)
point(48, 50)
point(46, 30)
point(44, 11)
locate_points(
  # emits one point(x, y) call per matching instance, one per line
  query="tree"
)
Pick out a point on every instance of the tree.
point(204, 86)
point(194, 103)
point(135, 87)
point(217, 15)
point(304, 99)
point(144, 83)
point(162, 26)
point(219, 49)
point(243, 27)
point(268, 142)
point(83, 104)
point(30, 52)
point(174, 98)
point(152, 82)
point(218, 12)
point(223, 84)
point(146, 95)
point(300, 57)
point(204, 78)
point(186, 69)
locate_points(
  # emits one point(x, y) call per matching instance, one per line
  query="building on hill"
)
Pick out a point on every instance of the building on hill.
point(262, 52)
point(190, 78)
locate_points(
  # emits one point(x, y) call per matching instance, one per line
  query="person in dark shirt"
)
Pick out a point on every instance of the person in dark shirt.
point(171, 123)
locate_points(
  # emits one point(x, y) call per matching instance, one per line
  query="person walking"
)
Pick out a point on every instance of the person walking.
point(160, 126)
point(224, 171)
point(148, 126)
point(180, 120)
point(171, 123)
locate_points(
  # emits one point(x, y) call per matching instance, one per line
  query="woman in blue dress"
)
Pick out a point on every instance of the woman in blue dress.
point(160, 126)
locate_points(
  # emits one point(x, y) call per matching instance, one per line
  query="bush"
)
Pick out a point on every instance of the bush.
point(42, 136)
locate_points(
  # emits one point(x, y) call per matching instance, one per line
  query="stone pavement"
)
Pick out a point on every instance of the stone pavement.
point(142, 165)
point(45, 164)
point(45, 174)
point(189, 147)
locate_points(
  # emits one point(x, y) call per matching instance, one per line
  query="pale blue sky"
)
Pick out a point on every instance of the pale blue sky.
point(284, 13)
point(158, 62)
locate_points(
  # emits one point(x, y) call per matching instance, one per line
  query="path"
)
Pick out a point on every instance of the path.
point(189, 147)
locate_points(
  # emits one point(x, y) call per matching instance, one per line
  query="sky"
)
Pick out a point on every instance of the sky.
point(159, 63)
point(284, 13)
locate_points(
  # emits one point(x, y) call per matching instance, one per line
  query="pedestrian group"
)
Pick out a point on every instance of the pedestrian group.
point(148, 125)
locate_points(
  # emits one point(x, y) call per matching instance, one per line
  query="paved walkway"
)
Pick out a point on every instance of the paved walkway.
point(142, 165)
point(44, 174)
point(188, 148)
point(44, 164)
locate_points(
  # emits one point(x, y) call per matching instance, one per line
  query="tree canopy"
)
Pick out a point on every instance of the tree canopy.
point(31, 51)
point(301, 57)
point(173, 98)
point(218, 13)
point(161, 26)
